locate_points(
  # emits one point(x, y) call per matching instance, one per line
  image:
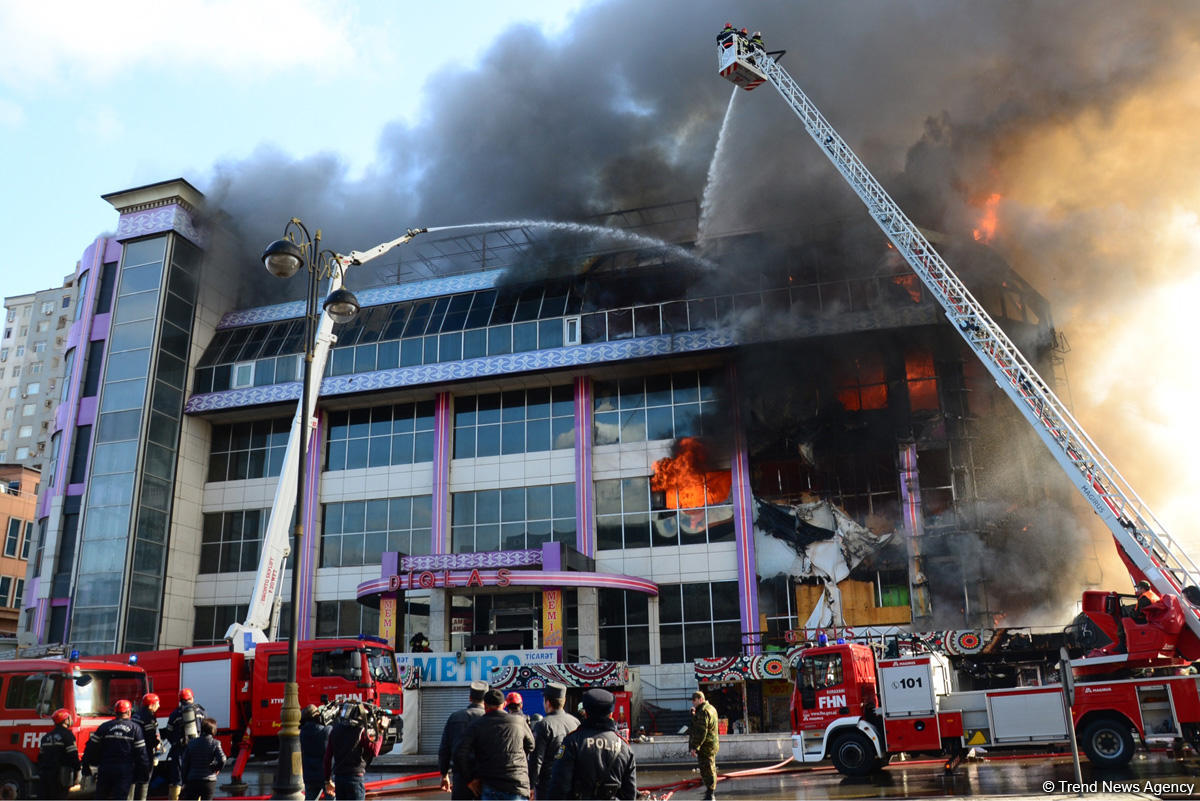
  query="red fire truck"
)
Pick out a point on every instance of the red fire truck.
point(34, 688)
point(244, 692)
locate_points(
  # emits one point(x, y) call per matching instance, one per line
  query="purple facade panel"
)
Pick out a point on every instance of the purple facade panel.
point(585, 519)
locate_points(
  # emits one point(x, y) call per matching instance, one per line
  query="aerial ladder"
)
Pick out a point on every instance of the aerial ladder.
point(262, 615)
point(1143, 544)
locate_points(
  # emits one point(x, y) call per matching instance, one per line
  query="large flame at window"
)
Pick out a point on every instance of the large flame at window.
point(685, 480)
point(987, 223)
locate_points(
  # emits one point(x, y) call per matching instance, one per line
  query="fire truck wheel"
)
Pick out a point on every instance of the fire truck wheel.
point(11, 784)
point(854, 755)
point(1107, 742)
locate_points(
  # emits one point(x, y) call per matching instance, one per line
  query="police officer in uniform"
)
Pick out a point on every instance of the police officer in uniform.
point(704, 742)
point(594, 762)
point(58, 758)
point(117, 750)
point(146, 719)
point(183, 726)
point(548, 735)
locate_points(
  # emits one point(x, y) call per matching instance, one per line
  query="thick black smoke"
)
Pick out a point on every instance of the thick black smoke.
point(623, 109)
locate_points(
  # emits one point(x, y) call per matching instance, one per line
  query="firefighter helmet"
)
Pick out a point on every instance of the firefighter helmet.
point(1143, 585)
point(728, 24)
point(61, 717)
point(122, 707)
point(150, 699)
point(742, 31)
point(185, 696)
point(514, 698)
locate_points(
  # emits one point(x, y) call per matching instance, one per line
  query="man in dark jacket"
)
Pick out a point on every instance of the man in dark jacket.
point(314, 739)
point(704, 742)
point(548, 736)
point(452, 734)
point(58, 758)
point(353, 743)
point(202, 763)
point(493, 754)
point(149, 723)
point(117, 750)
point(594, 762)
point(183, 726)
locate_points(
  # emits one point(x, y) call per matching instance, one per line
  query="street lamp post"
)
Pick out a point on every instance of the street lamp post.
point(283, 259)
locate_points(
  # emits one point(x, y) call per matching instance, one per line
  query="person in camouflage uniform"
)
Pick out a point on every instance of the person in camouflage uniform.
point(704, 742)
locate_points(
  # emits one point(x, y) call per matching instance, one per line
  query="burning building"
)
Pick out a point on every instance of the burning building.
point(609, 445)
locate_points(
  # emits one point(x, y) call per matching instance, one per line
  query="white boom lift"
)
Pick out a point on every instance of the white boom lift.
point(262, 617)
point(1143, 543)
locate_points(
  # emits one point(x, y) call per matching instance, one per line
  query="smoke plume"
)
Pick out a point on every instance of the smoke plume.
point(1081, 116)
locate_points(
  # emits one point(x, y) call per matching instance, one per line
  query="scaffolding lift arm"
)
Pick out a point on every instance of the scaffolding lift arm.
point(262, 616)
point(1143, 543)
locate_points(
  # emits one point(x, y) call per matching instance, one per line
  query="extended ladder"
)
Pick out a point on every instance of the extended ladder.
point(1147, 546)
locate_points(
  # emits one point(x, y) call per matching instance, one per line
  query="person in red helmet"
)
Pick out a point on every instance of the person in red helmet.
point(117, 751)
point(726, 33)
point(145, 717)
point(58, 758)
point(513, 704)
point(183, 726)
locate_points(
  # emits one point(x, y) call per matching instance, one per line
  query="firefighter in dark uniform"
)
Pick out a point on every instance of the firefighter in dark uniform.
point(756, 41)
point(183, 726)
point(1145, 597)
point(593, 761)
point(149, 723)
point(452, 734)
point(58, 758)
point(548, 735)
point(703, 741)
point(117, 750)
point(727, 33)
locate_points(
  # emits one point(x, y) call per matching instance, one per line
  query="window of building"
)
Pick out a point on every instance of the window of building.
point(861, 383)
point(79, 457)
point(19, 593)
point(630, 515)
point(43, 326)
point(8, 414)
point(22, 453)
point(14, 391)
point(8, 332)
point(516, 421)
point(16, 371)
point(34, 387)
point(48, 307)
point(27, 411)
point(39, 347)
point(27, 539)
point(12, 542)
point(3, 354)
point(922, 380)
point(25, 431)
point(346, 619)
point(231, 541)
point(380, 436)
point(66, 301)
point(212, 622)
point(91, 377)
point(624, 626)
point(513, 519)
point(668, 406)
point(6, 583)
point(699, 620)
point(23, 333)
point(248, 450)
point(359, 532)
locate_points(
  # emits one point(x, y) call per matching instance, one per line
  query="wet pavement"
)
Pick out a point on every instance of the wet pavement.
point(1149, 775)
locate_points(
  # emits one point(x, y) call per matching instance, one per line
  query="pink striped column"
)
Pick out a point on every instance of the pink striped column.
point(312, 537)
point(743, 526)
point(585, 500)
point(443, 423)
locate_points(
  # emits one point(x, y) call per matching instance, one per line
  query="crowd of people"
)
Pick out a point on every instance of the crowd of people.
point(122, 753)
point(489, 750)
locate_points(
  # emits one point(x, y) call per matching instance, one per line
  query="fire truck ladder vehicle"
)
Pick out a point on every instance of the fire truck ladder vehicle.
point(1143, 543)
point(262, 616)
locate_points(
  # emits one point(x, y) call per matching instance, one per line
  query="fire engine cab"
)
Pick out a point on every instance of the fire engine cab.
point(33, 688)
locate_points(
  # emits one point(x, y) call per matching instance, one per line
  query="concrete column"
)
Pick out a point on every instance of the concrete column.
point(585, 490)
point(443, 425)
point(439, 620)
point(589, 624)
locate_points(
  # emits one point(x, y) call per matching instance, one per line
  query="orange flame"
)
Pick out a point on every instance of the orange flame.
point(987, 223)
point(685, 482)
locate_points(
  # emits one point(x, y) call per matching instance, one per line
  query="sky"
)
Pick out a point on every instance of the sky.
point(366, 118)
point(100, 97)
